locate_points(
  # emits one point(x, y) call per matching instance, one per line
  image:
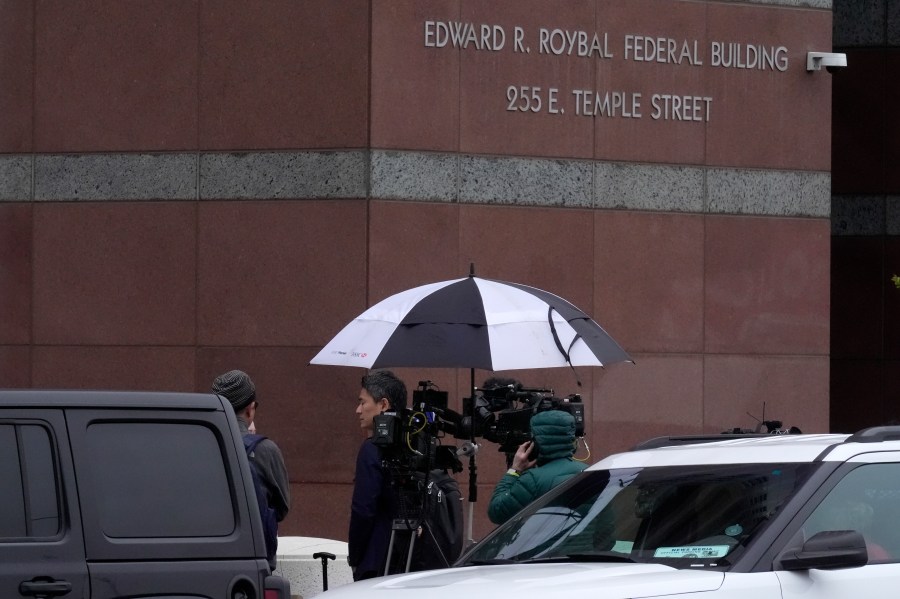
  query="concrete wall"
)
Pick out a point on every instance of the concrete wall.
point(190, 187)
point(306, 574)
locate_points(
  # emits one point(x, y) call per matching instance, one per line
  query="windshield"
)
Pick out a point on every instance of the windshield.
point(682, 516)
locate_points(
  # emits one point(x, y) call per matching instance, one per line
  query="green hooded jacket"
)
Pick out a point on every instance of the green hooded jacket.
point(553, 432)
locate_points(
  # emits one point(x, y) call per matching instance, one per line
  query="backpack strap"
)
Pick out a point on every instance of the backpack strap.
point(251, 441)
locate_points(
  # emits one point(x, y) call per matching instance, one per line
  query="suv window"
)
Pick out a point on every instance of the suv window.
point(29, 493)
point(159, 480)
point(682, 516)
point(866, 500)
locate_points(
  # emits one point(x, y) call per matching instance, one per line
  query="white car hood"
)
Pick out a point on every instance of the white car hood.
point(536, 581)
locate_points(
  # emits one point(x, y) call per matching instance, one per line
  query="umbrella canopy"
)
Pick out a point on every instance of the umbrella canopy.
point(472, 323)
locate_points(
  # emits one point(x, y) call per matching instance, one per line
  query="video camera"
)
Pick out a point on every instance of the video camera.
point(410, 440)
point(502, 413)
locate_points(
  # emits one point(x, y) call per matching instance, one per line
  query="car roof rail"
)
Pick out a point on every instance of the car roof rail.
point(692, 439)
point(875, 434)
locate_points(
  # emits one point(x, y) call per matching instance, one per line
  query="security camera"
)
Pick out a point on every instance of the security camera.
point(830, 60)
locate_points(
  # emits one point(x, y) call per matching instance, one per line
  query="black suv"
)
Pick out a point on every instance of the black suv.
point(127, 494)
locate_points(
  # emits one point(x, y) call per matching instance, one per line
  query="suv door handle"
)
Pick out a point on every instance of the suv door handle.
point(43, 587)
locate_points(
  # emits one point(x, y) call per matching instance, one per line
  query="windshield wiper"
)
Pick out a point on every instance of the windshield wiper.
point(490, 562)
point(602, 556)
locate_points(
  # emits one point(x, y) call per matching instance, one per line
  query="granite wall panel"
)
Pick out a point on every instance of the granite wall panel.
point(506, 102)
point(114, 273)
point(404, 76)
point(16, 268)
point(17, 75)
point(139, 368)
point(534, 246)
point(648, 280)
point(741, 391)
point(283, 74)
point(657, 395)
point(15, 366)
point(266, 271)
point(411, 244)
point(766, 285)
point(647, 73)
point(688, 85)
point(115, 76)
point(767, 117)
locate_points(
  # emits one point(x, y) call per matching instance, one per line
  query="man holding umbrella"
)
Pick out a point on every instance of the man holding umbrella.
point(374, 505)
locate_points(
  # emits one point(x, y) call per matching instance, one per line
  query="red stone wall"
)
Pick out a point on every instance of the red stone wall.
point(723, 311)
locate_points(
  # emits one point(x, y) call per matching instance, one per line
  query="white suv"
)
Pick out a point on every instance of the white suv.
point(736, 516)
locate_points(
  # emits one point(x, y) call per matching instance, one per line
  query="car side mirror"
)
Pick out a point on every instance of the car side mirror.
point(828, 550)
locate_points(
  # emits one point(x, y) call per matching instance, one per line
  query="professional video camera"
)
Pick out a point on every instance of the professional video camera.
point(413, 455)
point(410, 441)
point(501, 413)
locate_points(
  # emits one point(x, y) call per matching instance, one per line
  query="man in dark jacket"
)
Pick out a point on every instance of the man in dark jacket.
point(374, 504)
point(239, 390)
point(553, 431)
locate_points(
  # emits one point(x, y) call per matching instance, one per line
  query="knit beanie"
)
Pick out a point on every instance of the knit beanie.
point(236, 387)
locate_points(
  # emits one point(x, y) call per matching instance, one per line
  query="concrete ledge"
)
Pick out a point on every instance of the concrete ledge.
point(92, 177)
point(296, 564)
point(15, 178)
point(415, 176)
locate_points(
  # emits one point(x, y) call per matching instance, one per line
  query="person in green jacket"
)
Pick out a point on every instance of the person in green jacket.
point(553, 431)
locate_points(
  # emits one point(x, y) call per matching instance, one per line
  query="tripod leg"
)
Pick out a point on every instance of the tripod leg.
point(387, 562)
point(412, 545)
point(471, 514)
point(473, 497)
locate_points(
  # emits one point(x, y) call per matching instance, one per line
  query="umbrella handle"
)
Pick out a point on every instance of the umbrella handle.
point(324, 556)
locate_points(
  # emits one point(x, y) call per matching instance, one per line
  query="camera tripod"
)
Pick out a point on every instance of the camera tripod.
point(401, 525)
point(408, 524)
point(424, 533)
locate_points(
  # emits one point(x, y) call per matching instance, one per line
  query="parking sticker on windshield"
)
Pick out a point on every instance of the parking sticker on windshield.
point(692, 551)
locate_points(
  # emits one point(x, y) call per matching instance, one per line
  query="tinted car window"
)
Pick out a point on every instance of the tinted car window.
point(682, 516)
point(40, 485)
point(28, 492)
point(866, 500)
point(12, 493)
point(159, 480)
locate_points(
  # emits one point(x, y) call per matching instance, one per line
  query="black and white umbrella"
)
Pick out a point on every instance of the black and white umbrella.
point(472, 323)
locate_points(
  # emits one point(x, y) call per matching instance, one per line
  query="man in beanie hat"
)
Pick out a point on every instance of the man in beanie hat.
point(553, 431)
point(239, 390)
